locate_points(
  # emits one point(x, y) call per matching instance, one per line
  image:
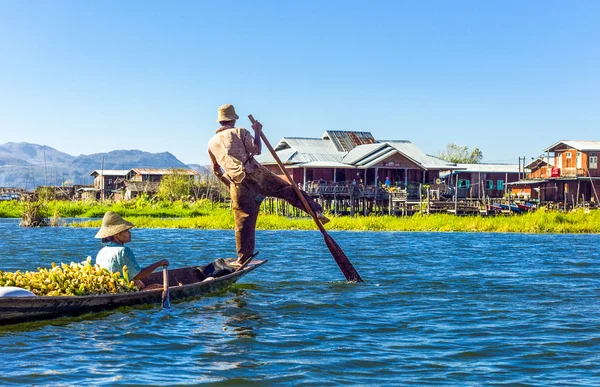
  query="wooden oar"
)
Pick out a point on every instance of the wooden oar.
point(338, 254)
point(165, 296)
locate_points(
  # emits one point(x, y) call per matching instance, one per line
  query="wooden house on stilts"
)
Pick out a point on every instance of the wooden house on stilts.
point(567, 172)
point(346, 165)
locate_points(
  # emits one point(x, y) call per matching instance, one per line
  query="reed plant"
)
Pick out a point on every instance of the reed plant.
point(34, 214)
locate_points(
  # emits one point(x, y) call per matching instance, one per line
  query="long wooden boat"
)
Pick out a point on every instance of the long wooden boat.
point(184, 283)
point(513, 207)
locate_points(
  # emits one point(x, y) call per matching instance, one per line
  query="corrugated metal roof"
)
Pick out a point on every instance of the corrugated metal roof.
point(110, 172)
point(527, 182)
point(492, 168)
point(285, 155)
point(376, 156)
point(582, 145)
point(379, 157)
point(156, 171)
point(413, 152)
point(540, 162)
point(310, 149)
point(324, 164)
point(323, 152)
point(360, 152)
point(345, 141)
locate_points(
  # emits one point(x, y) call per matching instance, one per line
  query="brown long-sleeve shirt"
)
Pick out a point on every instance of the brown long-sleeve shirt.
point(233, 150)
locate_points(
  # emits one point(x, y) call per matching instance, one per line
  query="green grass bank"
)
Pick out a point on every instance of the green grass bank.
point(207, 215)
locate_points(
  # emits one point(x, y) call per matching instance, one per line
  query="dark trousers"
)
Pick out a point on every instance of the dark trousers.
point(246, 206)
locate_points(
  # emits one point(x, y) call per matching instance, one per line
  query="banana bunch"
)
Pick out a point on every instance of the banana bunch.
point(76, 279)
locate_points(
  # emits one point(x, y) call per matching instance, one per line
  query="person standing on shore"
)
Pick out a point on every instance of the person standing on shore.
point(231, 151)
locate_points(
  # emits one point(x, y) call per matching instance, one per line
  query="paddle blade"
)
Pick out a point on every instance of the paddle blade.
point(342, 260)
point(166, 303)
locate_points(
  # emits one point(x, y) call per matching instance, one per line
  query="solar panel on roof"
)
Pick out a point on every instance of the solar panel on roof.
point(345, 141)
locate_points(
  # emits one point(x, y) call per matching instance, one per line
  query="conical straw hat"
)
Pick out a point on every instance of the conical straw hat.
point(112, 224)
point(227, 113)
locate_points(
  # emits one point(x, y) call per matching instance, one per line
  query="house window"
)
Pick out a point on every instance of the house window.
point(568, 155)
point(464, 183)
point(578, 160)
point(594, 160)
point(558, 160)
point(500, 184)
point(489, 184)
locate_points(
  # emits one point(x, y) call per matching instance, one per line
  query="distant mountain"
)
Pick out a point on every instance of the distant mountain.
point(35, 154)
point(126, 159)
point(199, 168)
point(25, 165)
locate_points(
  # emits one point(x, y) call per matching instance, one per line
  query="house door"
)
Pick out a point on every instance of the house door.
point(568, 160)
point(593, 160)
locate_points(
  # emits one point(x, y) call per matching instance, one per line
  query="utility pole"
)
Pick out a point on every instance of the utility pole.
point(523, 158)
point(102, 189)
point(45, 170)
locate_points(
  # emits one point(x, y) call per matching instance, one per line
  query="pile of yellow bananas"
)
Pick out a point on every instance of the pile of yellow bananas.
point(76, 279)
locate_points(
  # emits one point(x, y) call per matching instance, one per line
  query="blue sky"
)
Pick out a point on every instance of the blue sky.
point(508, 77)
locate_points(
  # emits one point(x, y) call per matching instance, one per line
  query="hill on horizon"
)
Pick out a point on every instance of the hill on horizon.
point(25, 165)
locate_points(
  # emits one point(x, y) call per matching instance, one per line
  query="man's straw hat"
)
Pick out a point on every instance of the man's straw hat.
point(227, 113)
point(112, 224)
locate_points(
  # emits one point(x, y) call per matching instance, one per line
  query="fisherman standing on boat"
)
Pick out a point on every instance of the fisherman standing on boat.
point(233, 149)
point(115, 232)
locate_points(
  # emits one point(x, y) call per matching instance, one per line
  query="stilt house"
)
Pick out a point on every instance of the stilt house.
point(483, 180)
point(568, 172)
point(346, 157)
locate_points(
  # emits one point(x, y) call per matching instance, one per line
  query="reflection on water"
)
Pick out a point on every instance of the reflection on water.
point(239, 318)
point(436, 309)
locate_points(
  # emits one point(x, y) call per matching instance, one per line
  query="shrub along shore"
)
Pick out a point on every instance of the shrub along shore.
point(207, 215)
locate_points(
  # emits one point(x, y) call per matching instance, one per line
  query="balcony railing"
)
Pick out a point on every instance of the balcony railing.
point(570, 172)
point(550, 172)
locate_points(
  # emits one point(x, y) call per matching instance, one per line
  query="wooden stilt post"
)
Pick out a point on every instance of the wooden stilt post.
point(456, 196)
point(420, 200)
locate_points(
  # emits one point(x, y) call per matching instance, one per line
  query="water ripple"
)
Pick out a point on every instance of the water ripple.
point(437, 309)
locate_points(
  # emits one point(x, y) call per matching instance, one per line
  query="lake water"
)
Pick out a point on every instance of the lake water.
point(436, 309)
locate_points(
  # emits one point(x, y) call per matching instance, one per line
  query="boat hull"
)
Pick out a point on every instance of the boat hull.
point(22, 309)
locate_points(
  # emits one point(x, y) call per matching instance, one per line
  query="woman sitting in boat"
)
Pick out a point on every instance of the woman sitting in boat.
point(115, 232)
